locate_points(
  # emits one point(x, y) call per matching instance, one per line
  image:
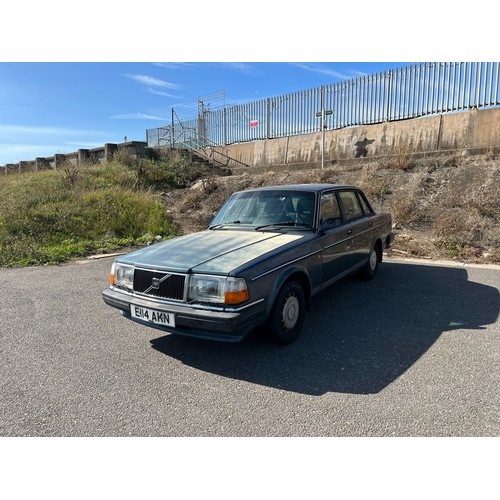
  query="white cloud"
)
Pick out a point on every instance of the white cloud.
point(317, 68)
point(164, 94)
point(245, 68)
point(6, 130)
point(152, 82)
point(137, 116)
point(173, 65)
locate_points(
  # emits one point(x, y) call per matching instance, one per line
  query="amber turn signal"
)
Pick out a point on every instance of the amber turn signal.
point(233, 298)
point(236, 291)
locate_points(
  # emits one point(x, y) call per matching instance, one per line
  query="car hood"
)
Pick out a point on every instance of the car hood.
point(211, 251)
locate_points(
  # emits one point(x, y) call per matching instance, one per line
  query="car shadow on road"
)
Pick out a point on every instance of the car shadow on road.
point(359, 336)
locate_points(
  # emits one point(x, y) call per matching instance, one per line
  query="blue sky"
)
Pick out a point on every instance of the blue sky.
point(66, 81)
point(48, 108)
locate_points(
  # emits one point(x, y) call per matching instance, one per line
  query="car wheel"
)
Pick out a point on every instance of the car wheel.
point(287, 315)
point(371, 267)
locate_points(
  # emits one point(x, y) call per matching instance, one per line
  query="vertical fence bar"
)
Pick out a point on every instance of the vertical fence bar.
point(433, 94)
point(389, 95)
point(440, 89)
point(369, 97)
point(378, 108)
point(416, 102)
point(469, 89)
point(359, 97)
point(306, 111)
point(464, 88)
point(490, 102)
point(484, 78)
point(399, 93)
point(459, 86)
point(346, 103)
point(366, 118)
point(303, 112)
point(406, 82)
point(351, 102)
point(402, 94)
point(425, 88)
point(477, 82)
point(497, 82)
point(416, 97)
point(452, 107)
point(411, 92)
point(428, 107)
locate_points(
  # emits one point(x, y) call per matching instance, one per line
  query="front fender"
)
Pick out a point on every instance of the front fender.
point(300, 275)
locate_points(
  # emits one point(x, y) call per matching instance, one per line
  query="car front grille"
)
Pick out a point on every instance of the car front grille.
point(159, 284)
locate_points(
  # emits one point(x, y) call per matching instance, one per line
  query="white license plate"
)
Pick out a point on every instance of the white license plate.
point(152, 316)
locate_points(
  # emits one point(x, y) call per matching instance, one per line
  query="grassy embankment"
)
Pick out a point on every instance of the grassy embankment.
point(52, 216)
point(442, 207)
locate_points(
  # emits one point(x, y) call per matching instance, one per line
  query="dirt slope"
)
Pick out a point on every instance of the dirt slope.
point(442, 207)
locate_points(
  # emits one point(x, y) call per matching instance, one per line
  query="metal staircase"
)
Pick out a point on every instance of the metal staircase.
point(201, 149)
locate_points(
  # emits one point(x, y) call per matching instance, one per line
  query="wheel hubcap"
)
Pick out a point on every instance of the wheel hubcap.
point(373, 260)
point(290, 312)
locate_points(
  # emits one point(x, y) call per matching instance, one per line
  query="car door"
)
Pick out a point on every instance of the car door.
point(360, 225)
point(336, 238)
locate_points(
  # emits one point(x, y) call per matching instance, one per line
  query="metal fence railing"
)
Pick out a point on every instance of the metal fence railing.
point(407, 92)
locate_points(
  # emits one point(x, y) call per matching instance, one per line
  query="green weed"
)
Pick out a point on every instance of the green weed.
point(50, 217)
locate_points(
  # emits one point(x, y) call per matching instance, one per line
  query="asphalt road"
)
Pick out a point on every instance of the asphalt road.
point(415, 352)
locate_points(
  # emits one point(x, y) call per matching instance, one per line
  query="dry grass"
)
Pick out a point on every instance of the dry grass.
point(442, 207)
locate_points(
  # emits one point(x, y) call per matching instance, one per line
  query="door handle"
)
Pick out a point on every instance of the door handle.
point(349, 231)
point(370, 224)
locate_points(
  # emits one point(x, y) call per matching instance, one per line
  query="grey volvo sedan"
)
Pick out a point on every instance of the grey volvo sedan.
point(264, 256)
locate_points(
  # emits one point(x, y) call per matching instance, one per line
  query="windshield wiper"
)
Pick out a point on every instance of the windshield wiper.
point(216, 226)
point(284, 223)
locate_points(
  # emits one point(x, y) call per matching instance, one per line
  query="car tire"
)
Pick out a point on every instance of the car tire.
point(370, 270)
point(287, 315)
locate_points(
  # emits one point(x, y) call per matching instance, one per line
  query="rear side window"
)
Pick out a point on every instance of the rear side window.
point(364, 204)
point(352, 208)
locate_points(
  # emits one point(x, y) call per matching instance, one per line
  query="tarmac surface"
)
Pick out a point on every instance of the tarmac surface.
point(415, 352)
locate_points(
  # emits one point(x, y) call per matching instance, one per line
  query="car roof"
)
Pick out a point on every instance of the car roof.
point(316, 188)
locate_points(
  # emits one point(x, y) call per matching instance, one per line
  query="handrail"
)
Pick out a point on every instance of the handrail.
point(190, 140)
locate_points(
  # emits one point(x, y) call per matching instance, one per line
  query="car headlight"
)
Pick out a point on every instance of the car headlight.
point(122, 276)
point(217, 289)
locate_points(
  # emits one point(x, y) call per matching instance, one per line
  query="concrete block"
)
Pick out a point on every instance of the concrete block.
point(83, 156)
point(109, 151)
point(41, 164)
point(59, 160)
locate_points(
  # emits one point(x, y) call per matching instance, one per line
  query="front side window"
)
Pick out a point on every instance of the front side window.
point(352, 208)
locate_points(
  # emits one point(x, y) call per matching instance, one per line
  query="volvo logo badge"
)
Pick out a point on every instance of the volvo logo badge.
point(155, 284)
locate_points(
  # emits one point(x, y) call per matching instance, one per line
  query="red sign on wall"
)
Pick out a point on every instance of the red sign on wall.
point(254, 123)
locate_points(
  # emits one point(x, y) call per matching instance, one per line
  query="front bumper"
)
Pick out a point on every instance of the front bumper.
point(389, 240)
point(227, 324)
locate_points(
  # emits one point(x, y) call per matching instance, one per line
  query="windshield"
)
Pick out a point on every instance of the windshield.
point(268, 208)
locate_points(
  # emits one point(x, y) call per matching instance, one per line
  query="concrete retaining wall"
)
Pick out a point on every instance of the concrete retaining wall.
point(76, 158)
point(470, 130)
